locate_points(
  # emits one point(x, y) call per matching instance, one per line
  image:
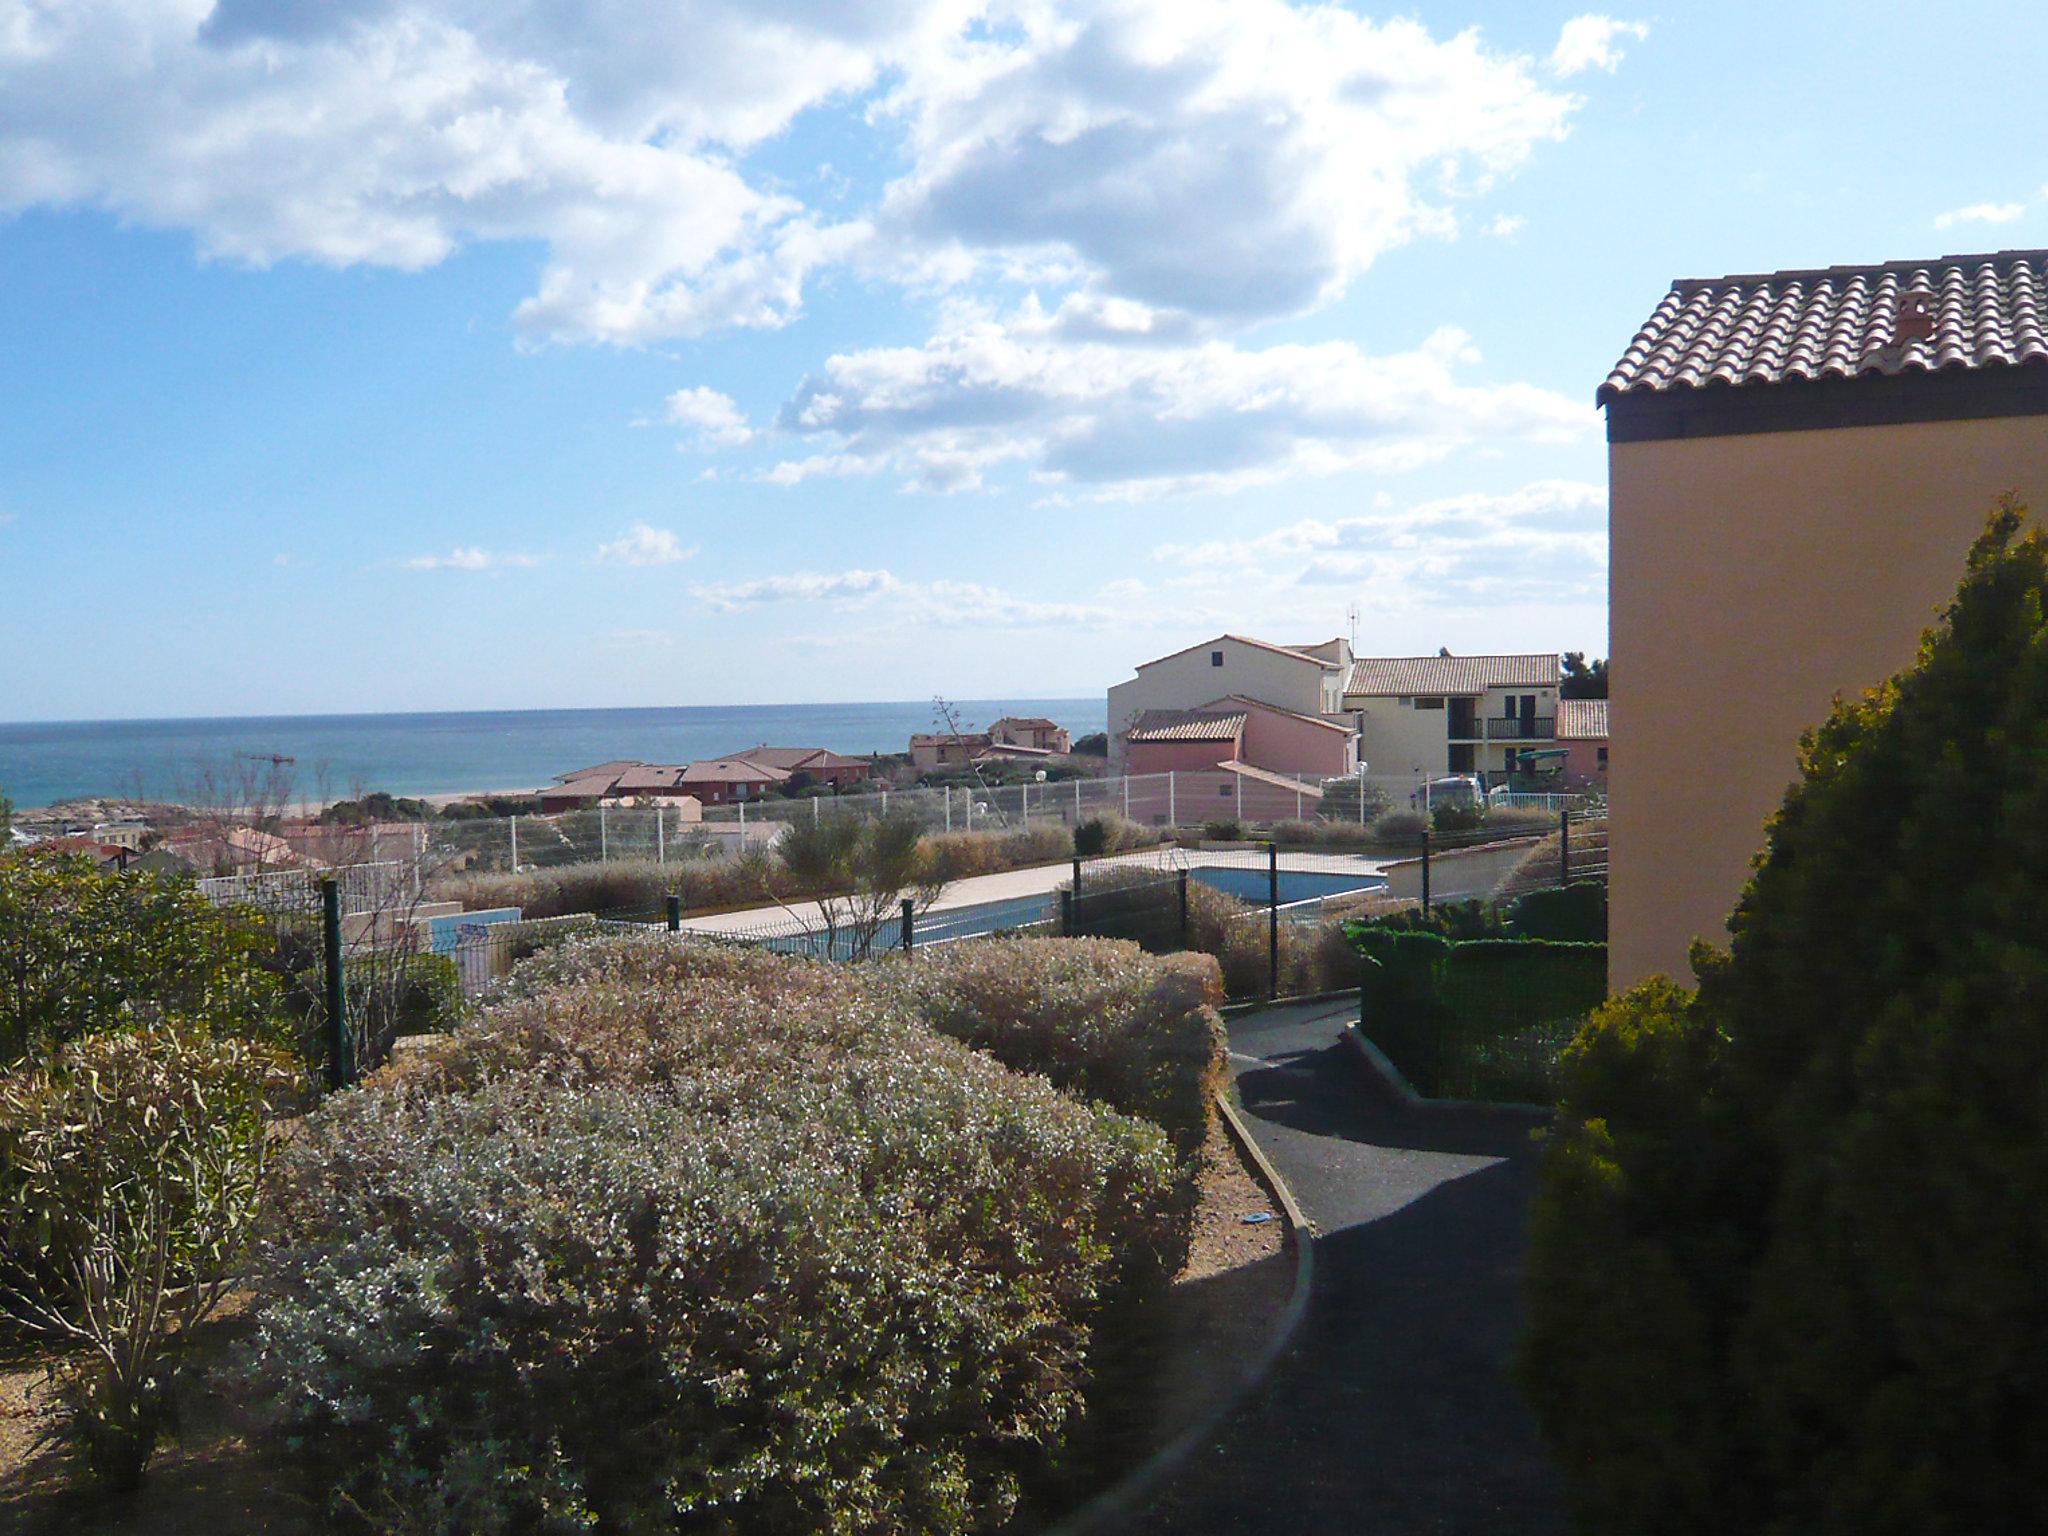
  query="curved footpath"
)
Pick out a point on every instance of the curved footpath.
point(1394, 1412)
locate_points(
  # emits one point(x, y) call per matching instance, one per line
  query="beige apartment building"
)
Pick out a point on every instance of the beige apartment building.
point(1307, 679)
point(1798, 462)
point(1421, 717)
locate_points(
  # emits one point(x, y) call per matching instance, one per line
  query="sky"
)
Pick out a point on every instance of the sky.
point(365, 355)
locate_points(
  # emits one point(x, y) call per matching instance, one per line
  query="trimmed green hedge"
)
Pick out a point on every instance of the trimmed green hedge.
point(1482, 1019)
point(1575, 914)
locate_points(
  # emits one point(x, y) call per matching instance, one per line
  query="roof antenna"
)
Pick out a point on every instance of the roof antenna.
point(1351, 614)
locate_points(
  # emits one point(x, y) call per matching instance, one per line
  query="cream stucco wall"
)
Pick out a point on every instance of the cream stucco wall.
point(1188, 680)
point(1397, 740)
point(1753, 578)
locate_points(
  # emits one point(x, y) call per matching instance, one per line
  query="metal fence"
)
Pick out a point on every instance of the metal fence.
point(1169, 801)
point(394, 941)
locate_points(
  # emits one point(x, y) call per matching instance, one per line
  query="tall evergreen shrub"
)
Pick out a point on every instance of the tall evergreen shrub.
point(1790, 1269)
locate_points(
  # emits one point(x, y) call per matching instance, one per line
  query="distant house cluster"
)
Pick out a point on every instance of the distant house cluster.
point(1260, 721)
point(1014, 738)
point(734, 778)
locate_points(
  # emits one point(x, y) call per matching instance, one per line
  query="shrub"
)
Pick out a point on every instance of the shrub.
point(1457, 920)
point(1099, 1017)
point(678, 1236)
point(1111, 833)
point(1787, 1273)
point(132, 1166)
point(1398, 827)
point(1577, 913)
point(85, 951)
point(1457, 816)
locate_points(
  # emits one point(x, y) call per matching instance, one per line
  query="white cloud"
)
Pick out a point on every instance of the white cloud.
point(1226, 159)
point(1107, 420)
point(1220, 159)
point(367, 131)
point(1588, 42)
point(1980, 213)
point(1544, 544)
point(804, 586)
point(879, 594)
point(644, 545)
point(1506, 226)
point(714, 416)
point(469, 558)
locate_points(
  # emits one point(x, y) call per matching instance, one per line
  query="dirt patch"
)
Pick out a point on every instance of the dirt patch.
point(1239, 1276)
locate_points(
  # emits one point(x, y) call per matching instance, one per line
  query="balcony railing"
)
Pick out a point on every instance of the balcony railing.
point(1529, 728)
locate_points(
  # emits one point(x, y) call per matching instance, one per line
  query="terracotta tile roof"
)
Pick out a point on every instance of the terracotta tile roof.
point(1186, 725)
point(1431, 676)
point(1260, 775)
point(610, 770)
point(1027, 723)
point(589, 786)
point(1230, 701)
point(644, 776)
point(789, 759)
point(1955, 312)
point(1581, 719)
point(730, 770)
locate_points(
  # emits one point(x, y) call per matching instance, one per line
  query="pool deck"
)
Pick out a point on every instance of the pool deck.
point(1041, 880)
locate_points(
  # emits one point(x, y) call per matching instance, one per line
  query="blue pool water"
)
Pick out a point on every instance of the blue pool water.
point(1249, 885)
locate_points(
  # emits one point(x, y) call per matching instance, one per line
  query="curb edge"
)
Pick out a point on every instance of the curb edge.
point(1122, 1498)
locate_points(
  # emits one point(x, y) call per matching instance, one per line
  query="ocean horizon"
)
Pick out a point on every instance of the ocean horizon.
point(42, 763)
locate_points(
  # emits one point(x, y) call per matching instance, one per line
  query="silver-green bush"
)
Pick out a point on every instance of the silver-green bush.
point(676, 1237)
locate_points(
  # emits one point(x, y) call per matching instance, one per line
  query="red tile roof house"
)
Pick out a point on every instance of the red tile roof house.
point(728, 780)
point(622, 782)
point(1582, 732)
point(1240, 757)
point(815, 763)
point(1033, 731)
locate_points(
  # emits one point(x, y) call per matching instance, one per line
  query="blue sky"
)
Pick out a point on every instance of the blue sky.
point(429, 354)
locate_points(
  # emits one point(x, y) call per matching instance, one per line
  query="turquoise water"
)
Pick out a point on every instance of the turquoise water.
point(444, 753)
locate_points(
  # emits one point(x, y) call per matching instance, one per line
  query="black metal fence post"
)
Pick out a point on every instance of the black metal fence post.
point(1425, 871)
point(1077, 867)
point(909, 924)
point(1182, 882)
point(1272, 919)
point(675, 914)
point(338, 1064)
point(1066, 914)
point(1564, 848)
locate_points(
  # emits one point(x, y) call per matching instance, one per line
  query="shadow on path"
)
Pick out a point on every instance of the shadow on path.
point(1395, 1411)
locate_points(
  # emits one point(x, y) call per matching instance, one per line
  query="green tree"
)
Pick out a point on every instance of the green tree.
point(1789, 1271)
point(866, 869)
point(84, 950)
point(1582, 679)
point(6, 817)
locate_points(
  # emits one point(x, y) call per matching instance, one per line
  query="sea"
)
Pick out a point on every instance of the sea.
point(331, 756)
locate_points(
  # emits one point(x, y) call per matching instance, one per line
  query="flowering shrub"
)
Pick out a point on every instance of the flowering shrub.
point(682, 1236)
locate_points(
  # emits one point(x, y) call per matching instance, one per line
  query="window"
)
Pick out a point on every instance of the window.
point(1429, 703)
point(1603, 757)
point(1223, 790)
point(1215, 658)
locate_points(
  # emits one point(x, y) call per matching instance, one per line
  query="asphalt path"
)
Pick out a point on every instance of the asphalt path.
point(1395, 1409)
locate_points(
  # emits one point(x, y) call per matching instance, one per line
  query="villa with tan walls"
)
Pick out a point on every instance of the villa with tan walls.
point(1798, 463)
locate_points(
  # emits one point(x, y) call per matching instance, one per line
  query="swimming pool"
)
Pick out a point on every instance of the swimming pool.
point(1251, 885)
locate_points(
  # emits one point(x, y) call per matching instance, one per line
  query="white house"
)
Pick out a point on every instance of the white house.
point(1306, 680)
